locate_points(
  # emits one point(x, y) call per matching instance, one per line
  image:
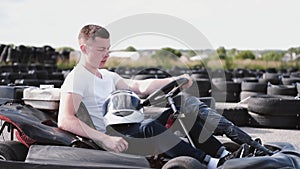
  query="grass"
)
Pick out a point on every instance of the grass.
point(184, 63)
point(146, 62)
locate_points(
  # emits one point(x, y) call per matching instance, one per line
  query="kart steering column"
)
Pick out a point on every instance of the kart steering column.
point(179, 116)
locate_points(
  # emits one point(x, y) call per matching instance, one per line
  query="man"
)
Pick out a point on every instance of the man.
point(89, 83)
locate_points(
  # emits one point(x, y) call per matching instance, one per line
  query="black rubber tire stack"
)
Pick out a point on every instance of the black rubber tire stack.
point(238, 115)
point(286, 90)
point(200, 88)
point(252, 89)
point(225, 91)
point(274, 111)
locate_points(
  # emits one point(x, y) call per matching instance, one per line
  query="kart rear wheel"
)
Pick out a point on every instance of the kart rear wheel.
point(13, 150)
point(183, 162)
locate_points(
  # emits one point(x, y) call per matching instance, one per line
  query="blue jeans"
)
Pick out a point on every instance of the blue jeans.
point(151, 137)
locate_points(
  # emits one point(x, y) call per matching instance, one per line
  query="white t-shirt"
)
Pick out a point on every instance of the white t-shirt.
point(93, 90)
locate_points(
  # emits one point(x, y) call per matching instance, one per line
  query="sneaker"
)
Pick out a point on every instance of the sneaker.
point(260, 152)
point(239, 153)
point(252, 149)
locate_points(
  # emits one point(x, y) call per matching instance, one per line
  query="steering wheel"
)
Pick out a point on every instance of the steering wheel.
point(169, 90)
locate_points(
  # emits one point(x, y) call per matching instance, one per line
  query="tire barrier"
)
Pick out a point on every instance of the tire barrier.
point(298, 88)
point(287, 90)
point(24, 54)
point(290, 81)
point(200, 88)
point(295, 74)
point(274, 111)
point(12, 93)
point(274, 105)
point(243, 73)
point(221, 74)
point(252, 89)
point(273, 78)
point(278, 121)
point(149, 73)
point(225, 91)
point(23, 65)
point(237, 115)
point(245, 79)
point(200, 74)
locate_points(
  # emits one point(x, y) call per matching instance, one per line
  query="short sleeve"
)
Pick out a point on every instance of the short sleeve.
point(73, 84)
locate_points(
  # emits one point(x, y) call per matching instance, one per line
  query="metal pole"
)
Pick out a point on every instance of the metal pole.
point(179, 116)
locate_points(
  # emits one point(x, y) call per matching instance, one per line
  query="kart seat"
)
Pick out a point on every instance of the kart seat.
point(34, 126)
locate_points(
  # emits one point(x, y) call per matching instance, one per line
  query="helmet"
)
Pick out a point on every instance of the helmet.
point(122, 107)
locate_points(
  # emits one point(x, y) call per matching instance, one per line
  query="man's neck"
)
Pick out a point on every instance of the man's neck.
point(93, 70)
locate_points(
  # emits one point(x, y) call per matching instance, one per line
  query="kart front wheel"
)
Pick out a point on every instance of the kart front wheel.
point(13, 150)
point(183, 162)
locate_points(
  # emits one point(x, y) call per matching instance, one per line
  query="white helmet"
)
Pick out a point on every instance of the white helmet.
point(123, 107)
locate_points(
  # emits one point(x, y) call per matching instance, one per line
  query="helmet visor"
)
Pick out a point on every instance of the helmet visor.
point(123, 104)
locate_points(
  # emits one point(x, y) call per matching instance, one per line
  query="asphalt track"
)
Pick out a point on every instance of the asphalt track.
point(266, 134)
point(271, 135)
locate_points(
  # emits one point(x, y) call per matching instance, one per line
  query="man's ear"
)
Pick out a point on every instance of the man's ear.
point(83, 48)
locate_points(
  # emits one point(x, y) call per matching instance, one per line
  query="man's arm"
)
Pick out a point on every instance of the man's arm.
point(69, 104)
point(148, 86)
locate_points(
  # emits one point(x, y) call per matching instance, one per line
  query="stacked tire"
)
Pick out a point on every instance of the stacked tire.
point(274, 111)
point(225, 91)
point(298, 89)
point(252, 89)
point(200, 88)
point(273, 78)
point(238, 115)
point(286, 90)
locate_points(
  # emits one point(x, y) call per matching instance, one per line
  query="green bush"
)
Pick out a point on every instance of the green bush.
point(247, 54)
point(272, 56)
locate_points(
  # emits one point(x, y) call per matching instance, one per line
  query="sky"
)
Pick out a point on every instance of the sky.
point(240, 24)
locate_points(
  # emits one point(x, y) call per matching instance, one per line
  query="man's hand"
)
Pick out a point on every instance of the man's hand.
point(115, 144)
point(189, 83)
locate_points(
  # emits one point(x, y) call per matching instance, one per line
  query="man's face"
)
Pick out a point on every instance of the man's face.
point(97, 52)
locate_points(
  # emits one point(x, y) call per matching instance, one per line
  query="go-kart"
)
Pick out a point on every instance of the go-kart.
point(41, 144)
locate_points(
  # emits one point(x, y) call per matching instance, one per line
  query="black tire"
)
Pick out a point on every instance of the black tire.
point(203, 85)
point(183, 162)
point(271, 75)
point(226, 96)
point(295, 74)
point(282, 122)
point(200, 88)
point(272, 81)
point(254, 87)
point(298, 87)
point(228, 86)
point(13, 150)
point(199, 76)
point(237, 115)
point(247, 94)
point(287, 90)
point(290, 81)
point(274, 105)
point(271, 70)
point(249, 79)
point(28, 82)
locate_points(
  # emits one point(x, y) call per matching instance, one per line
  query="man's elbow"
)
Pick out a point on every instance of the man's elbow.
point(63, 124)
